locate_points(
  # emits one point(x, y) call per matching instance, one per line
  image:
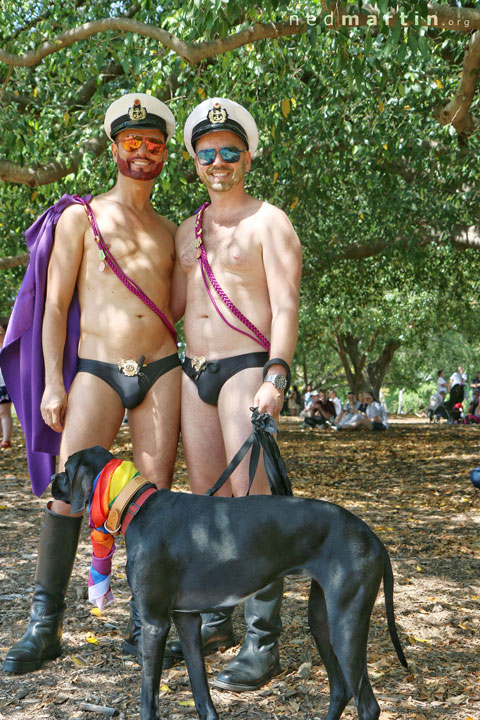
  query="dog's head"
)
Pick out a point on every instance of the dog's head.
point(75, 484)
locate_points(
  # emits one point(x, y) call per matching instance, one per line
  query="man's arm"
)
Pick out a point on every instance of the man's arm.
point(327, 413)
point(179, 283)
point(62, 275)
point(282, 259)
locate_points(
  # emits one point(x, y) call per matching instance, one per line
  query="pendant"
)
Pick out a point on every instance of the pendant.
point(101, 267)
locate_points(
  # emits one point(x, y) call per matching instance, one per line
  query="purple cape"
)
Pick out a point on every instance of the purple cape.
point(21, 358)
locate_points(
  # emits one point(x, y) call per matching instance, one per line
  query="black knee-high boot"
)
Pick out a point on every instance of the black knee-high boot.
point(258, 659)
point(56, 555)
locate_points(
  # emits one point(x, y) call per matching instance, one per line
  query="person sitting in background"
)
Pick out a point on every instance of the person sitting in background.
point(332, 395)
point(374, 417)
point(376, 413)
point(473, 413)
point(323, 412)
point(362, 403)
point(349, 413)
point(308, 399)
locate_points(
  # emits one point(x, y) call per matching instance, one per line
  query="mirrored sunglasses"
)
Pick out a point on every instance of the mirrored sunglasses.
point(134, 142)
point(230, 154)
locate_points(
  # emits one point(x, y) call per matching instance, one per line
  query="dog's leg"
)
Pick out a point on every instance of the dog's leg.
point(318, 622)
point(188, 627)
point(348, 620)
point(154, 637)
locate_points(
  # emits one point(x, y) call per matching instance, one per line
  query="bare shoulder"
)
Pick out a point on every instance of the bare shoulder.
point(72, 221)
point(277, 222)
point(168, 224)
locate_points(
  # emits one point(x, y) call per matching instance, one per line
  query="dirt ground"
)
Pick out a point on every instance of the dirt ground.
point(410, 484)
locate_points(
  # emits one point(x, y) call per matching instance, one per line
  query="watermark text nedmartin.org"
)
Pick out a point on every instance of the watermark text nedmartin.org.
point(354, 20)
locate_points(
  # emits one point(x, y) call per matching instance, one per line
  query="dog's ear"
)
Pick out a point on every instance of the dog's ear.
point(61, 488)
point(85, 466)
point(75, 485)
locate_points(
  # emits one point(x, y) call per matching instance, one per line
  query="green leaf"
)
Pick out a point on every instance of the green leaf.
point(412, 41)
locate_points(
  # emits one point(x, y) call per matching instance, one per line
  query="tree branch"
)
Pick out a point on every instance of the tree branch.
point(456, 112)
point(451, 18)
point(193, 53)
point(14, 261)
point(35, 175)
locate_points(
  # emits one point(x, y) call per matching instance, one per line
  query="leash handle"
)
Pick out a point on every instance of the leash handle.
point(262, 436)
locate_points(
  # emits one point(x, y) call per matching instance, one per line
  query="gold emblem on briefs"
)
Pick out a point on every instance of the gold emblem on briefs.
point(128, 367)
point(199, 362)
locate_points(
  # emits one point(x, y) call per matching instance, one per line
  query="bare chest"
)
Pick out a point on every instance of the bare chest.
point(236, 250)
point(139, 248)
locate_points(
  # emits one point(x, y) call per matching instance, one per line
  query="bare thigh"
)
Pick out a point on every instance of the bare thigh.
point(234, 403)
point(154, 428)
point(94, 415)
point(202, 441)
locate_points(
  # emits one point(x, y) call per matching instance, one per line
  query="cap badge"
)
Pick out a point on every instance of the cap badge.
point(137, 112)
point(217, 115)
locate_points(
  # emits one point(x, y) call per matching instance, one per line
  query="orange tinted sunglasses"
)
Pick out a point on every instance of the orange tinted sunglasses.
point(134, 142)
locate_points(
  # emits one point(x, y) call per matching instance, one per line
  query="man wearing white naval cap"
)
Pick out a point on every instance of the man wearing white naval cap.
point(236, 281)
point(116, 255)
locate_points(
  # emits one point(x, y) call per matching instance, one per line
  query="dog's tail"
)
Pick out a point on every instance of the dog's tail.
point(388, 591)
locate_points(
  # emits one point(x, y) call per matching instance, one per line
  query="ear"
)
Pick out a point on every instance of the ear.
point(81, 469)
point(248, 161)
point(114, 149)
point(61, 489)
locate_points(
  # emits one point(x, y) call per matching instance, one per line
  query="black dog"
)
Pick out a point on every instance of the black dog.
point(189, 553)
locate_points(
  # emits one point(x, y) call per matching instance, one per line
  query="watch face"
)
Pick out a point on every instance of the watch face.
point(280, 382)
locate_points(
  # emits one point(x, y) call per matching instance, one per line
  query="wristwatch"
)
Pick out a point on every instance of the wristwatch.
point(280, 381)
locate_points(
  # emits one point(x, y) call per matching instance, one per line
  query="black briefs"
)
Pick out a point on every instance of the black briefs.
point(211, 375)
point(131, 388)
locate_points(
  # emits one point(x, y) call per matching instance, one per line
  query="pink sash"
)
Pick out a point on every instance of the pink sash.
point(106, 255)
point(205, 268)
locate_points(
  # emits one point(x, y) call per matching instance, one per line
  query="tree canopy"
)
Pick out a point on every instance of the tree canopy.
point(367, 140)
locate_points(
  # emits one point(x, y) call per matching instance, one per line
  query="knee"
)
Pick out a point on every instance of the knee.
point(160, 476)
point(60, 508)
point(162, 482)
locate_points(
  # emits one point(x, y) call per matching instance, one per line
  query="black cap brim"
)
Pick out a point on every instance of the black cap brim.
point(205, 127)
point(124, 122)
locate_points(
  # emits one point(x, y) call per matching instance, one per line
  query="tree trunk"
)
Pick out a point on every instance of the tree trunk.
point(363, 376)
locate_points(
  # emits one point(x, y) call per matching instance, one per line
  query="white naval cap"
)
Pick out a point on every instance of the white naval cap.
point(220, 114)
point(138, 110)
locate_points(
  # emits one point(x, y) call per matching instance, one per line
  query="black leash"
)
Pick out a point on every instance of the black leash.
point(262, 436)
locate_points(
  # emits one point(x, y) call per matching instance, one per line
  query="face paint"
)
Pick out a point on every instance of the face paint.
point(128, 168)
point(221, 178)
